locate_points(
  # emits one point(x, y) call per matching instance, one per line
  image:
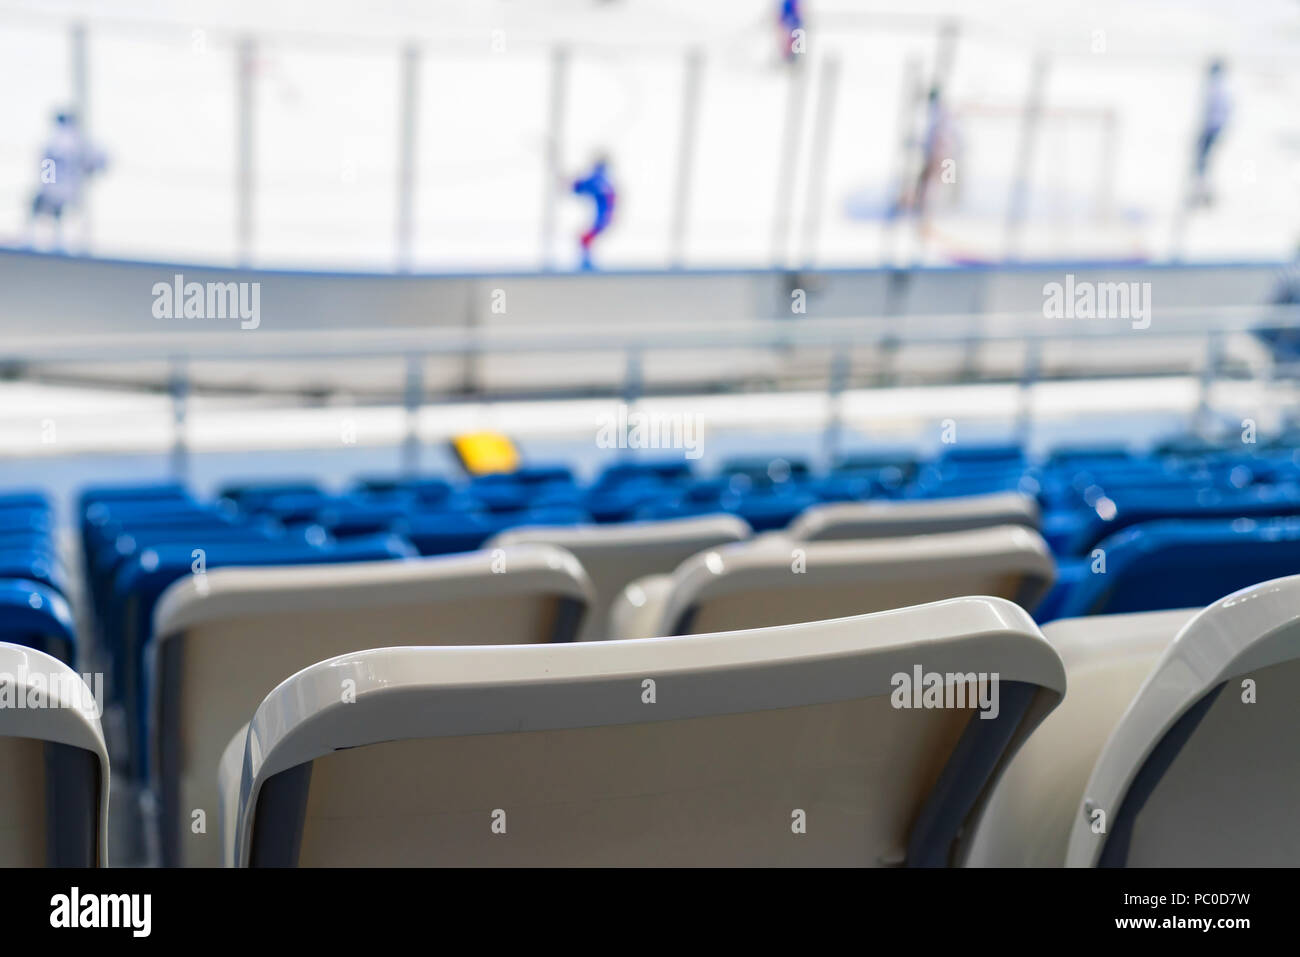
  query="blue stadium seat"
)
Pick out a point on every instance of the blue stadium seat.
point(666, 471)
point(110, 556)
point(1109, 515)
point(619, 502)
point(767, 470)
point(765, 511)
point(146, 492)
point(1182, 564)
point(843, 488)
point(352, 517)
point(903, 461)
point(543, 475)
point(446, 533)
point(34, 566)
point(253, 496)
point(500, 493)
point(23, 518)
point(26, 499)
point(982, 454)
point(37, 616)
point(27, 540)
point(422, 492)
point(291, 506)
point(142, 580)
point(1084, 456)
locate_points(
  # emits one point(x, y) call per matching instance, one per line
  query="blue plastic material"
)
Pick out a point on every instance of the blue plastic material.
point(1185, 564)
point(37, 616)
point(140, 583)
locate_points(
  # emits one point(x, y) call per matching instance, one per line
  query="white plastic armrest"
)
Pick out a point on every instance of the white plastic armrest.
point(229, 773)
point(638, 608)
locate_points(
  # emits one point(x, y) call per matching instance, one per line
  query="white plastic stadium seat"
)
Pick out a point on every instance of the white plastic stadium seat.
point(53, 765)
point(225, 639)
point(887, 519)
point(785, 745)
point(1203, 769)
point(1027, 820)
point(777, 581)
point(615, 555)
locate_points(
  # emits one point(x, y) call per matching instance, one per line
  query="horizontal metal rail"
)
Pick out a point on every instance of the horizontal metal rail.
point(180, 350)
point(605, 336)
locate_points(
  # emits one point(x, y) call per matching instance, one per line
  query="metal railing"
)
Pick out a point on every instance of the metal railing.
point(884, 336)
point(806, 148)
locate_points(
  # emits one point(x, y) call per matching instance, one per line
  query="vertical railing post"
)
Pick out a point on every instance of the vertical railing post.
point(245, 81)
point(1029, 376)
point(1203, 418)
point(945, 53)
point(823, 123)
point(632, 388)
point(836, 382)
point(554, 151)
point(407, 151)
point(179, 388)
point(1182, 207)
point(793, 126)
point(414, 399)
point(79, 61)
point(1030, 118)
point(901, 175)
point(1106, 166)
point(693, 69)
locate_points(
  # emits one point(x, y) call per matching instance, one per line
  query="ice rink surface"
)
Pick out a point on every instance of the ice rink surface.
point(162, 93)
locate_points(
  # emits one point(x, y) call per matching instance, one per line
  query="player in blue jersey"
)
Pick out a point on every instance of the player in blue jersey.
point(1217, 110)
point(598, 185)
point(789, 20)
point(68, 162)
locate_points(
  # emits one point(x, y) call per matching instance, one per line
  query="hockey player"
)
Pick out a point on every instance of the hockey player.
point(68, 161)
point(598, 185)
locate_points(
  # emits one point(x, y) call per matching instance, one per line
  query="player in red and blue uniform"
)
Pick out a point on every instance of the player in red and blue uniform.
point(790, 19)
point(598, 185)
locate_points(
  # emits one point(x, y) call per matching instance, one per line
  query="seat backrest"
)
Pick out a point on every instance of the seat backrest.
point(804, 744)
point(615, 555)
point(53, 765)
point(1027, 820)
point(1188, 564)
point(37, 616)
point(887, 519)
point(1203, 769)
point(127, 628)
point(1109, 515)
point(774, 581)
point(223, 640)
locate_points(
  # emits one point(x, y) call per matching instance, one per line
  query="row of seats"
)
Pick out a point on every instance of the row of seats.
point(34, 610)
point(1085, 498)
point(136, 545)
point(1154, 739)
point(222, 640)
point(147, 549)
point(138, 540)
point(1182, 720)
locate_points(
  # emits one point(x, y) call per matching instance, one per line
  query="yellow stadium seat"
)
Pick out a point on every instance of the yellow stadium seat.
point(484, 453)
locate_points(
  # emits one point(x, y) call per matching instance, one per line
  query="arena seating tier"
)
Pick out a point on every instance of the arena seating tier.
point(646, 549)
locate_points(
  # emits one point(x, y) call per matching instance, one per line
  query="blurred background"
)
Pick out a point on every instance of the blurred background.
point(854, 249)
point(432, 137)
point(817, 224)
